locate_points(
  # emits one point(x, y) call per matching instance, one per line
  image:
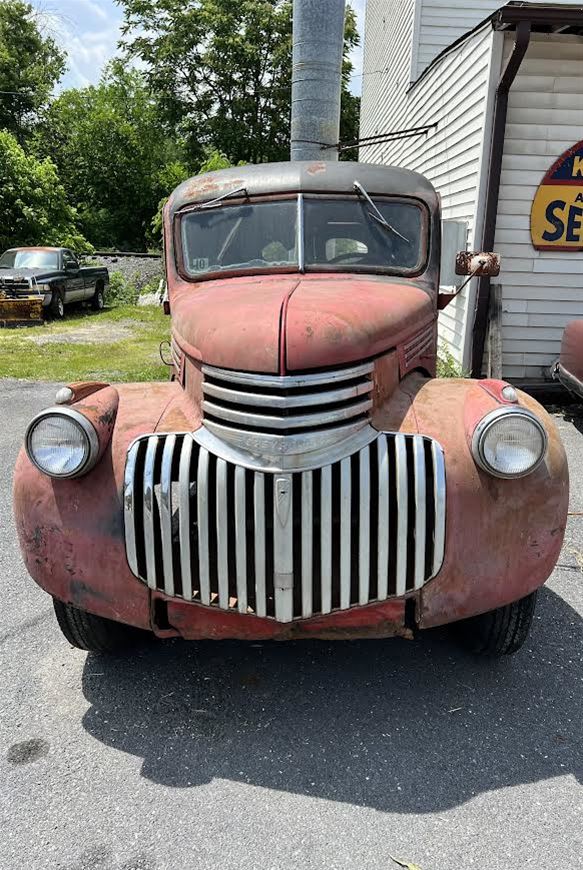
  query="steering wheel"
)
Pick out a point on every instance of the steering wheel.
point(348, 258)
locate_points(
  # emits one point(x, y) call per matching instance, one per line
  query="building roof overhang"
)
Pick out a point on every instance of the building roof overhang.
point(543, 17)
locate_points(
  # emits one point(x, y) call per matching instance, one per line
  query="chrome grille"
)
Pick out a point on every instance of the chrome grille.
point(15, 285)
point(290, 403)
point(285, 545)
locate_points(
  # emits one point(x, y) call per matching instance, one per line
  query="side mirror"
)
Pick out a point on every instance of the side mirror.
point(71, 267)
point(478, 265)
point(474, 266)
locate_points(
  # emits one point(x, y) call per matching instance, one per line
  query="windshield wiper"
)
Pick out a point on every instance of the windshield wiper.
point(221, 198)
point(376, 214)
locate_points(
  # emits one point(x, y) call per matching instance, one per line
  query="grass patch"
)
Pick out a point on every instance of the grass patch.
point(117, 344)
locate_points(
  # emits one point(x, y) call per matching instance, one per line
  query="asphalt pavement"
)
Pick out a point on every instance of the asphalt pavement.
point(335, 756)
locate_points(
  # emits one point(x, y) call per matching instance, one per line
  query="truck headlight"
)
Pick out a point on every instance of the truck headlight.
point(62, 443)
point(509, 442)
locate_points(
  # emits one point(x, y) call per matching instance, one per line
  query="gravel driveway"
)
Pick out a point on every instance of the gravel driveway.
point(314, 755)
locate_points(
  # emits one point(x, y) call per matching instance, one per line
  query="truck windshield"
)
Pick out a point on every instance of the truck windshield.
point(314, 233)
point(29, 260)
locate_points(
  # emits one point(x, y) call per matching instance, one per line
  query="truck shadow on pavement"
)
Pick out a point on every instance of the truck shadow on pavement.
point(393, 725)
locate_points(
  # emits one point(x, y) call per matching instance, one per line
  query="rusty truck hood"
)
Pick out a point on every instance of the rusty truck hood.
point(282, 323)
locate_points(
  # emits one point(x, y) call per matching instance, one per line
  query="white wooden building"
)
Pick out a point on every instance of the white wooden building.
point(438, 65)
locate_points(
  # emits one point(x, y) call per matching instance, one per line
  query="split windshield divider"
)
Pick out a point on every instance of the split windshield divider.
point(301, 237)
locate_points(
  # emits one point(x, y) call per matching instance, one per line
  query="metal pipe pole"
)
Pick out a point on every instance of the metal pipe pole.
point(318, 41)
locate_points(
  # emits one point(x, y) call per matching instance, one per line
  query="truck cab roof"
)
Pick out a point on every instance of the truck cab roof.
point(271, 179)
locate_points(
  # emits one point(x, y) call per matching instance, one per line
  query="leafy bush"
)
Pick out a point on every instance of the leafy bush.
point(121, 291)
point(447, 364)
point(149, 287)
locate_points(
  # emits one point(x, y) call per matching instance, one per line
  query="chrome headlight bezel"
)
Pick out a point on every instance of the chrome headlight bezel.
point(484, 426)
point(88, 433)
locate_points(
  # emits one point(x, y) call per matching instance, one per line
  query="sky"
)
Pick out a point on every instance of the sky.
point(89, 31)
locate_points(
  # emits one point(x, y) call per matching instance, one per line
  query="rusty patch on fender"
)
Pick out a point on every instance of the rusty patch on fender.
point(108, 417)
point(81, 592)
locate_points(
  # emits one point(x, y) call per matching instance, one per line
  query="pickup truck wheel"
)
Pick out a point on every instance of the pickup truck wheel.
point(499, 632)
point(57, 305)
point(98, 301)
point(94, 633)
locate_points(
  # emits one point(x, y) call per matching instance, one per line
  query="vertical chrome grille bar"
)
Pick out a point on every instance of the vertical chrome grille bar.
point(364, 528)
point(222, 535)
point(307, 542)
point(326, 538)
point(439, 489)
point(184, 525)
point(383, 519)
point(283, 554)
point(259, 517)
point(402, 509)
point(149, 497)
point(129, 496)
point(202, 478)
point(240, 539)
point(420, 509)
point(166, 512)
point(345, 532)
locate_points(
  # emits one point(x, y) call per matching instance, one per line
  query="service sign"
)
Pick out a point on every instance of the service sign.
point(556, 219)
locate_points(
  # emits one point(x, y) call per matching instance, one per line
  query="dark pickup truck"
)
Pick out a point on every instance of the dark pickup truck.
point(53, 273)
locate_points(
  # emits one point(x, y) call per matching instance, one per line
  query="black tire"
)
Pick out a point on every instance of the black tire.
point(499, 632)
point(95, 633)
point(98, 300)
point(57, 305)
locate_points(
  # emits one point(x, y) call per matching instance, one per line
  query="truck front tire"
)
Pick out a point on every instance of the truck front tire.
point(499, 632)
point(95, 633)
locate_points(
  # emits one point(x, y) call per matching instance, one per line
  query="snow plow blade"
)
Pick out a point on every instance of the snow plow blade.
point(24, 311)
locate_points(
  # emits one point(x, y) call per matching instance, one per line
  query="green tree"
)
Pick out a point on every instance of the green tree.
point(33, 202)
point(350, 108)
point(222, 72)
point(30, 66)
point(113, 156)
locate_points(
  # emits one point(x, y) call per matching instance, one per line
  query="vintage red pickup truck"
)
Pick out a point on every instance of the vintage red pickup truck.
point(304, 474)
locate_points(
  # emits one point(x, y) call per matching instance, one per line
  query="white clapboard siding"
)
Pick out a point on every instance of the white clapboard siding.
point(388, 33)
point(440, 22)
point(452, 95)
point(543, 288)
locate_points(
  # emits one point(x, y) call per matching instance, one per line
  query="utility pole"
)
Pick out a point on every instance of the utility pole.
point(318, 42)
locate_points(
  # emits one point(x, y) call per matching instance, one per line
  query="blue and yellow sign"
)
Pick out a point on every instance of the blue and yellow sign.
point(556, 219)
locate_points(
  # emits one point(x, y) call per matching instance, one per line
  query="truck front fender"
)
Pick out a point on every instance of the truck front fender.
point(71, 531)
point(503, 537)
